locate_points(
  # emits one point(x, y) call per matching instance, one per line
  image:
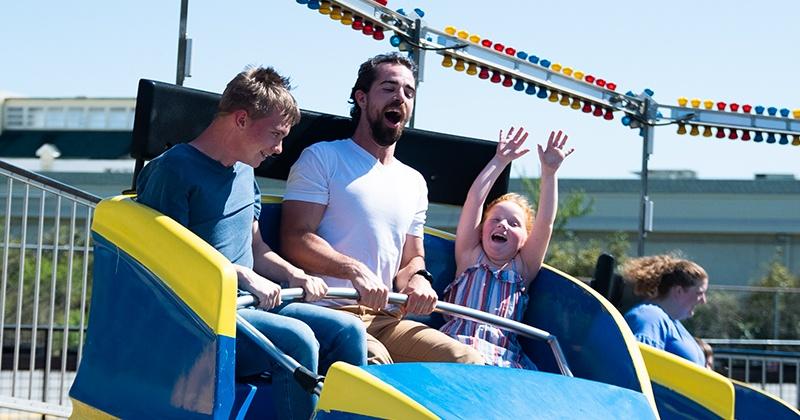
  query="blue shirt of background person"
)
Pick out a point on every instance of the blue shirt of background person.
point(671, 288)
point(652, 326)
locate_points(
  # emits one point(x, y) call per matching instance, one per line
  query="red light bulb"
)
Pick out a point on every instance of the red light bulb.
point(598, 111)
point(609, 115)
point(378, 34)
point(358, 23)
point(611, 86)
point(484, 74)
point(720, 133)
point(587, 107)
point(747, 108)
point(600, 82)
point(499, 47)
point(745, 135)
point(486, 43)
point(734, 107)
point(495, 77)
point(733, 135)
point(507, 82)
point(721, 106)
point(510, 51)
point(368, 29)
point(589, 78)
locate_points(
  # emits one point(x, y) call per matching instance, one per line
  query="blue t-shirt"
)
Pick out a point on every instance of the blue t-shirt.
point(652, 326)
point(216, 202)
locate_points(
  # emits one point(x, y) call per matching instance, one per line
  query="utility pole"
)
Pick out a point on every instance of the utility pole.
point(184, 47)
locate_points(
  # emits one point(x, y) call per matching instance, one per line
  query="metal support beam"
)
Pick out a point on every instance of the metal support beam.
point(182, 45)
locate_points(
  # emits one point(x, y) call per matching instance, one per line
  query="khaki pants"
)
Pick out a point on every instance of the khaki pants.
point(392, 339)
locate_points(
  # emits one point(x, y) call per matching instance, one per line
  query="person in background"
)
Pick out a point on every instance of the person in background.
point(672, 288)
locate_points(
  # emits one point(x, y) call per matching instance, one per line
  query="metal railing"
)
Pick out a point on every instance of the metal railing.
point(758, 363)
point(44, 289)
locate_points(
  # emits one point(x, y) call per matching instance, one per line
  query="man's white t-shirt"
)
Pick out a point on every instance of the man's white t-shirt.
point(371, 207)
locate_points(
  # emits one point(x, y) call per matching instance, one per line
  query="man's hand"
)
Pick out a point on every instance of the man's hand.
point(421, 296)
point(267, 292)
point(315, 288)
point(371, 290)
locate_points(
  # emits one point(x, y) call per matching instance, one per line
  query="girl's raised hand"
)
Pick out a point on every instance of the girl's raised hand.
point(509, 147)
point(552, 156)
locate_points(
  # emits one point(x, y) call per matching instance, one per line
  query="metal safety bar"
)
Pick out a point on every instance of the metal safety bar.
point(441, 307)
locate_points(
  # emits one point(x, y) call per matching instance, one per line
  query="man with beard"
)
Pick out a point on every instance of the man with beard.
point(354, 215)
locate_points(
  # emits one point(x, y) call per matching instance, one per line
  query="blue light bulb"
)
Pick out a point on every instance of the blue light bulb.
point(531, 89)
point(759, 137)
point(519, 86)
point(542, 93)
point(760, 110)
point(772, 111)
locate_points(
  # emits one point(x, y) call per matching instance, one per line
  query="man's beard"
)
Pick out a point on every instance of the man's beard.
point(383, 135)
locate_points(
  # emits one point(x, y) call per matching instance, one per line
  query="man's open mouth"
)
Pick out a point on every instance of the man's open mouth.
point(393, 116)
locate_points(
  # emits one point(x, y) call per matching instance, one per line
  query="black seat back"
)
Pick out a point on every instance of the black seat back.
point(167, 114)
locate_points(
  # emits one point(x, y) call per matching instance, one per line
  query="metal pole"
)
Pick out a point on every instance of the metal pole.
point(181, 69)
point(645, 208)
point(417, 56)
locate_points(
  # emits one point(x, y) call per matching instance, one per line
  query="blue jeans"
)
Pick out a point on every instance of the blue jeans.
point(313, 335)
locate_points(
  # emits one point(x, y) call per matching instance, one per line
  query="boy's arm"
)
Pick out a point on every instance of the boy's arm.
point(269, 264)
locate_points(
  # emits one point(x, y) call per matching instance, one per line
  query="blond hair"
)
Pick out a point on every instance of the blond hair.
point(652, 277)
point(260, 91)
point(518, 200)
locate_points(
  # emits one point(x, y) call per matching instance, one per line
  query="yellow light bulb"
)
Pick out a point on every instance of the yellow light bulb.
point(472, 69)
point(460, 65)
point(474, 39)
point(336, 13)
point(707, 131)
point(462, 34)
point(695, 103)
point(325, 7)
point(708, 104)
point(450, 30)
point(576, 103)
point(564, 100)
point(682, 101)
point(447, 61)
point(695, 131)
point(553, 96)
point(681, 129)
point(555, 67)
point(347, 18)
point(567, 71)
point(578, 75)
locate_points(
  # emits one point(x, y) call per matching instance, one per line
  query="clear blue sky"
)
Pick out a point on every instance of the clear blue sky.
point(735, 51)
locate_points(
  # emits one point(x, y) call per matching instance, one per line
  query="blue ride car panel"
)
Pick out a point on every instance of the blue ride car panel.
point(672, 405)
point(751, 403)
point(144, 344)
point(484, 392)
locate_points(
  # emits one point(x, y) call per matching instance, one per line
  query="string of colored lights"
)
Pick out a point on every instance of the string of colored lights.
point(511, 67)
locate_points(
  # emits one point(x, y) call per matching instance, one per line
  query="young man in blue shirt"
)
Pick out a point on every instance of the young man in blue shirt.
point(208, 185)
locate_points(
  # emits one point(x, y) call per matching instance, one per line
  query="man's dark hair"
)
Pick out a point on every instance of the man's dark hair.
point(366, 76)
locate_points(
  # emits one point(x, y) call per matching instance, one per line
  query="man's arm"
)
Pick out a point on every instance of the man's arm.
point(421, 296)
point(302, 246)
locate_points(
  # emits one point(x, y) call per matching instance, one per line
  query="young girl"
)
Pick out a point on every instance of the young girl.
point(499, 257)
